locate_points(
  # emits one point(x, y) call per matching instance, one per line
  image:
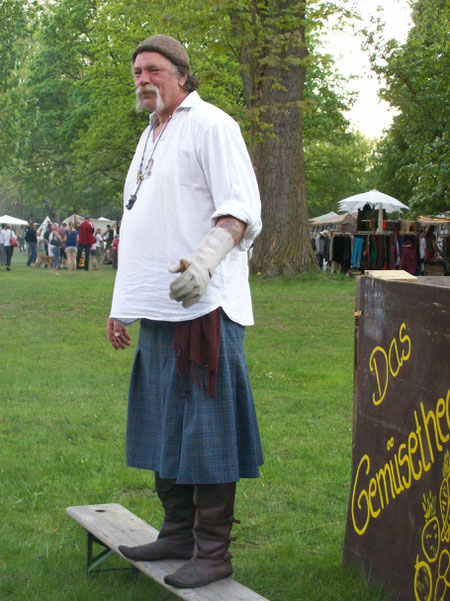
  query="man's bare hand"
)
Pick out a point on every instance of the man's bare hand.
point(117, 334)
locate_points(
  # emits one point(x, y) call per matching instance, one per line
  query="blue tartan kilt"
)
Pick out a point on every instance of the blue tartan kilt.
point(175, 428)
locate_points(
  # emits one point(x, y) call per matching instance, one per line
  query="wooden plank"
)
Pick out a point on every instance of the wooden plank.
point(115, 525)
point(399, 275)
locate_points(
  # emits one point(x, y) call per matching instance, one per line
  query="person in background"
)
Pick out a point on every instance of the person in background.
point(21, 240)
point(2, 246)
point(9, 241)
point(31, 240)
point(54, 246)
point(71, 248)
point(41, 240)
point(320, 248)
point(326, 250)
point(183, 272)
point(46, 236)
point(115, 252)
point(108, 236)
point(99, 243)
point(422, 248)
point(85, 241)
point(62, 256)
point(408, 259)
point(96, 248)
point(431, 246)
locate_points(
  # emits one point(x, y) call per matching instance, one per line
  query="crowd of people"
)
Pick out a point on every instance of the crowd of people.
point(71, 246)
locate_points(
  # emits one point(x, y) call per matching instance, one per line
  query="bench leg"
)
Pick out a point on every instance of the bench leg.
point(93, 562)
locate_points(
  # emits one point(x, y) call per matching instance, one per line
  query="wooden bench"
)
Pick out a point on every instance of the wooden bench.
point(111, 525)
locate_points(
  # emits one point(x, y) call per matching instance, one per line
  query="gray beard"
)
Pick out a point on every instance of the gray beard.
point(140, 108)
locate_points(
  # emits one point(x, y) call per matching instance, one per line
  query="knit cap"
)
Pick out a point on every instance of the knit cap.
point(165, 45)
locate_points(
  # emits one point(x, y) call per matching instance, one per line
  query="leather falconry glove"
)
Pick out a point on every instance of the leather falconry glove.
point(198, 269)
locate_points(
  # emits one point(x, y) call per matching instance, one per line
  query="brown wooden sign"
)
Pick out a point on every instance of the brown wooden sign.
point(398, 523)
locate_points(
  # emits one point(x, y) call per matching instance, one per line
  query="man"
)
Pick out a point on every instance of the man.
point(31, 240)
point(85, 241)
point(108, 236)
point(191, 208)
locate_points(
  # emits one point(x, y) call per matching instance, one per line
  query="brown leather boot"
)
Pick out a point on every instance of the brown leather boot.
point(213, 523)
point(175, 539)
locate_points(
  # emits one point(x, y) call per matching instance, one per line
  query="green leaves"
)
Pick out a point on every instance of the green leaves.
point(67, 105)
point(413, 160)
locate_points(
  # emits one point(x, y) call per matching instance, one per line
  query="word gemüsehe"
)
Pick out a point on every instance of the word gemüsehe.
point(372, 492)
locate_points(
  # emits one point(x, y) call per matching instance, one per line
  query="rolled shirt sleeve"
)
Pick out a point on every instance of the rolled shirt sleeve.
point(231, 178)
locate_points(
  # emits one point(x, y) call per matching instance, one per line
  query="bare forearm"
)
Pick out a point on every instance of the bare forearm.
point(234, 226)
point(196, 271)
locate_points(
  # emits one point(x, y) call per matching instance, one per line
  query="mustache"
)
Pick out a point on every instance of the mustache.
point(140, 92)
point(145, 89)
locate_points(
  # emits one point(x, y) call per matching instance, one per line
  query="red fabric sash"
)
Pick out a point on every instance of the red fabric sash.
point(196, 346)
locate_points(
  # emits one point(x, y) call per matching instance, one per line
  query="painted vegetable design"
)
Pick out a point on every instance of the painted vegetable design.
point(432, 569)
point(431, 533)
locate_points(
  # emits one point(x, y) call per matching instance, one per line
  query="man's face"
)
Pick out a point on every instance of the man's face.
point(158, 86)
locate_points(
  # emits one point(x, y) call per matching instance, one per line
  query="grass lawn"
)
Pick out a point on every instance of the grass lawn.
point(62, 435)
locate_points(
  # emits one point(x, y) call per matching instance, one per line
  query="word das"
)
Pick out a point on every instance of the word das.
point(384, 363)
point(372, 492)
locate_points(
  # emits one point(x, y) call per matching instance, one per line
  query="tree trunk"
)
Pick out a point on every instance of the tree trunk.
point(275, 90)
point(284, 245)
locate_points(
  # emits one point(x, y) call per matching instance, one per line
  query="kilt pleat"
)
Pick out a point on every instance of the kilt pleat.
point(175, 428)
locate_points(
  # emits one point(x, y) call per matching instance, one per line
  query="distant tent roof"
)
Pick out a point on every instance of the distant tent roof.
point(333, 220)
point(99, 223)
point(433, 220)
point(12, 220)
point(74, 217)
point(46, 220)
point(324, 217)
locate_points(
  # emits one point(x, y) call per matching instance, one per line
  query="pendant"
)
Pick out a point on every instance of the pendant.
point(139, 175)
point(149, 168)
point(131, 202)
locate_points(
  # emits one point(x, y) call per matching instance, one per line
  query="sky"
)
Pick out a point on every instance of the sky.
point(369, 115)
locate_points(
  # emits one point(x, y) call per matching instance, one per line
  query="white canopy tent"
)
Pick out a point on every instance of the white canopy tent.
point(334, 222)
point(12, 220)
point(325, 217)
point(41, 229)
point(99, 223)
point(376, 199)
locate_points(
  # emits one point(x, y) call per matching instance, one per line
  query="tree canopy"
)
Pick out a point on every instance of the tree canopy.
point(413, 160)
point(70, 129)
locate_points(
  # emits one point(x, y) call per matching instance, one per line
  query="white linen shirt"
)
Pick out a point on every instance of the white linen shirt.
point(201, 171)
